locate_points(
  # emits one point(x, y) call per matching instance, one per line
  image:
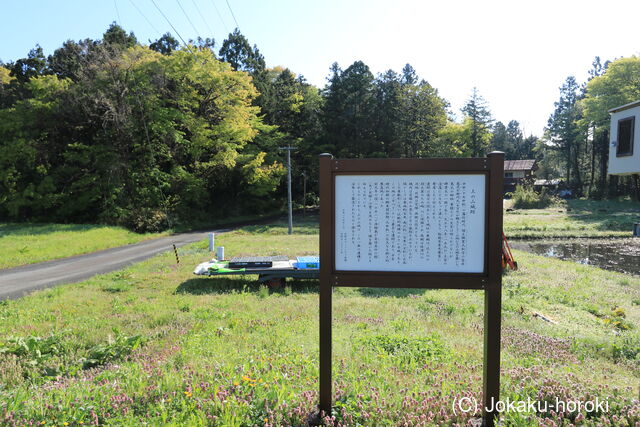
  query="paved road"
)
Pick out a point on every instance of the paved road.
point(19, 281)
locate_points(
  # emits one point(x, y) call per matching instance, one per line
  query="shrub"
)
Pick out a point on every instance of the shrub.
point(147, 220)
point(528, 198)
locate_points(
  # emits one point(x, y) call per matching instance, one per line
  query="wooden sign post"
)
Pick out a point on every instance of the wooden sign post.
point(413, 223)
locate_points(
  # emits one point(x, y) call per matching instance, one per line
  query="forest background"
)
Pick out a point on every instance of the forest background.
point(168, 134)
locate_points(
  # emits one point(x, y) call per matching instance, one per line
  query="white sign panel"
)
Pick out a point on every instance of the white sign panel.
point(413, 223)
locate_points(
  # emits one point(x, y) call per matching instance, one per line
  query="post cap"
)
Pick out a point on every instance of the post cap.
point(326, 155)
point(496, 153)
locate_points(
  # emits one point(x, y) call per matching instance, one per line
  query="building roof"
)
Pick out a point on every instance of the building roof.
point(520, 165)
point(625, 106)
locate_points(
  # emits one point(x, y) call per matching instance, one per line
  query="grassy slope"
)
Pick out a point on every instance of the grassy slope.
point(227, 352)
point(574, 218)
point(30, 243)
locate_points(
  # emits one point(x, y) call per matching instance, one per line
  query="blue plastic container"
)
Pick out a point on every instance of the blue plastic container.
point(308, 262)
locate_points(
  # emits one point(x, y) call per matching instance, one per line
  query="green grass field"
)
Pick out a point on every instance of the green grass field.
point(155, 345)
point(573, 218)
point(22, 244)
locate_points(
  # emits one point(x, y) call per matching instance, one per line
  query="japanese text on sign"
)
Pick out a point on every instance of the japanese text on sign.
point(413, 223)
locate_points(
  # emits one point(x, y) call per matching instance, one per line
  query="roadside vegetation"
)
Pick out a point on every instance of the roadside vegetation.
point(153, 344)
point(22, 244)
point(525, 197)
point(579, 218)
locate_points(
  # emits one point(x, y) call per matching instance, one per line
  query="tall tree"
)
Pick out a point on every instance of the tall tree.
point(388, 93)
point(33, 65)
point(422, 114)
point(499, 140)
point(563, 131)
point(477, 111)
point(165, 44)
point(237, 51)
point(349, 116)
point(116, 37)
point(409, 76)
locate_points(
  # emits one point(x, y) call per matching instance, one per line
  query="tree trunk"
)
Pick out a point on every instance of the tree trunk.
point(576, 168)
point(604, 159)
point(593, 161)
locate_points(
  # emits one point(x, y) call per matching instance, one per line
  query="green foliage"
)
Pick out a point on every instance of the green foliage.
point(525, 197)
point(35, 349)
point(154, 137)
point(576, 143)
point(626, 349)
point(618, 85)
point(387, 116)
point(478, 118)
point(134, 138)
point(54, 356)
point(405, 349)
point(114, 349)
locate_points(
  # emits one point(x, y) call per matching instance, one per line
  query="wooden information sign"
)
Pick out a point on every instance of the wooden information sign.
point(412, 223)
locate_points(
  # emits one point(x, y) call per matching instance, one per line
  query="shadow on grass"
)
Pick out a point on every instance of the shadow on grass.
point(300, 226)
point(390, 292)
point(226, 285)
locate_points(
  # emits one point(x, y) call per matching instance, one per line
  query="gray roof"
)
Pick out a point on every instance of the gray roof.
point(520, 165)
point(625, 106)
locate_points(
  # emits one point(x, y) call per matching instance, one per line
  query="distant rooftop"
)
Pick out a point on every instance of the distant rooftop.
point(519, 165)
point(625, 107)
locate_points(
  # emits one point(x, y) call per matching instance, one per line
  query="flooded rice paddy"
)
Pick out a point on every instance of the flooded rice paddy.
point(622, 255)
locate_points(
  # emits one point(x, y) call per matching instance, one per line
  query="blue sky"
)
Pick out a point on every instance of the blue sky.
point(517, 53)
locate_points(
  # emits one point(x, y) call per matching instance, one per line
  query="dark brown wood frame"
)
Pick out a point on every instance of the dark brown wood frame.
point(490, 280)
point(629, 152)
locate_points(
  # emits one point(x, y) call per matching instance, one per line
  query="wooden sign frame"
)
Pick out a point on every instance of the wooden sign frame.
point(490, 280)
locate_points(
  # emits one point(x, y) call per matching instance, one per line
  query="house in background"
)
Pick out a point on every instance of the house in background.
point(624, 152)
point(516, 172)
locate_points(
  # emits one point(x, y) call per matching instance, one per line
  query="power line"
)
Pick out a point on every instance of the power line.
point(220, 16)
point(115, 3)
point(188, 19)
point(234, 17)
point(146, 19)
point(203, 20)
point(174, 28)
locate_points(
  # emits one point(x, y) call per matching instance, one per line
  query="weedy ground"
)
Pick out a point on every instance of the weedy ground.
point(30, 243)
point(573, 219)
point(155, 345)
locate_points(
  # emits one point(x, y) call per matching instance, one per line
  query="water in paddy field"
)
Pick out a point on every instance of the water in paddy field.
point(622, 255)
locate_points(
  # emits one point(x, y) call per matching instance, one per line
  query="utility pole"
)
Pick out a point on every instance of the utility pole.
point(289, 149)
point(304, 193)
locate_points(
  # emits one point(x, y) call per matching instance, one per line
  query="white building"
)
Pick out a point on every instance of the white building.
point(624, 149)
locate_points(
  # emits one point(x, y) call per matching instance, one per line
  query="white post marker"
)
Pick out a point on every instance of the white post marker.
point(220, 253)
point(211, 242)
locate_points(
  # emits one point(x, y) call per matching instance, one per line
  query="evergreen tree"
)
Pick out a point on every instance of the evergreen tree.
point(349, 116)
point(499, 140)
point(165, 44)
point(24, 69)
point(477, 111)
point(563, 131)
point(237, 51)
